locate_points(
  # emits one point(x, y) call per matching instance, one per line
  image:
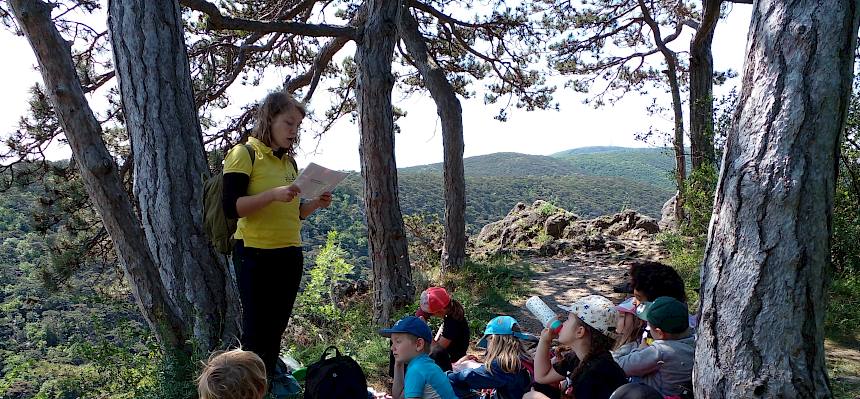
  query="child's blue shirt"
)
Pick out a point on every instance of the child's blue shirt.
point(424, 379)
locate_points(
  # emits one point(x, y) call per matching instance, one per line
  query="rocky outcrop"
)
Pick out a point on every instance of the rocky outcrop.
point(543, 229)
point(667, 215)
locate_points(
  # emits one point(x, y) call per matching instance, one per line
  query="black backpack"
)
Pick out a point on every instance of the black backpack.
point(335, 377)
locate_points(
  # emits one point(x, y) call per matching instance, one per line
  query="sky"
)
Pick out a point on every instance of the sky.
point(420, 140)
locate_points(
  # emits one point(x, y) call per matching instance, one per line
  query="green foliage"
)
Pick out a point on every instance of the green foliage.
point(685, 255)
point(318, 297)
point(547, 209)
point(843, 309)
point(426, 239)
point(699, 201)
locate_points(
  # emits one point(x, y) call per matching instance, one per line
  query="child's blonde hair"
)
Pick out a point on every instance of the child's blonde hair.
point(507, 351)
point(631, 335)
point(234, 374)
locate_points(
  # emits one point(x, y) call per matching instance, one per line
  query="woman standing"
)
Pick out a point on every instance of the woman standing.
point(268, 252)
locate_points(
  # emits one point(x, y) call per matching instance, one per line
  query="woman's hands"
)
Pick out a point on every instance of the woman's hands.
point(286, 193)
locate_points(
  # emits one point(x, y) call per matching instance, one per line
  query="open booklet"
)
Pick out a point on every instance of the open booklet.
point(316, 180)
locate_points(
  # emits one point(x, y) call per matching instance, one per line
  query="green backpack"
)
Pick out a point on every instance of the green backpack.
point(217, 225)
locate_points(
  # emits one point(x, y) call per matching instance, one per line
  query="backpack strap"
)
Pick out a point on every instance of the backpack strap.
point(252, 153)
point(293, 162)
point(326, 351)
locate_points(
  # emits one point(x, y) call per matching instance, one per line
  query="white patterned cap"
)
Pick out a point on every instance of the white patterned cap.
point(597, 312)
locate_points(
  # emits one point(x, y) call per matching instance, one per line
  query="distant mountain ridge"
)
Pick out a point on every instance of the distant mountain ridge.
point(652, 166)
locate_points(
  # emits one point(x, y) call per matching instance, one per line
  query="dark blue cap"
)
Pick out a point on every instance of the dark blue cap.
point(410, 325)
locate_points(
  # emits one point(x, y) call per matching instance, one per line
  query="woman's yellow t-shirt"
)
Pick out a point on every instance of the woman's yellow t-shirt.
point(276, 225)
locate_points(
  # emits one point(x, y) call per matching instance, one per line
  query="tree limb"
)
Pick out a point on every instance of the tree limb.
point(219, 21)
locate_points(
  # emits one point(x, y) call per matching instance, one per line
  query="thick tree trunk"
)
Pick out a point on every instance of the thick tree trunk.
point(451, 113)
point(392, 273)
point(678, 139)
point(99, 172)
point(169, 164)
point(764, 276)
point(675, 88)
point(701, 87)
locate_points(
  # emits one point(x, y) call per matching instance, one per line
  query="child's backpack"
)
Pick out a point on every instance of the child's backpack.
point(283, 385)
point(218, 227)
point(335, 377)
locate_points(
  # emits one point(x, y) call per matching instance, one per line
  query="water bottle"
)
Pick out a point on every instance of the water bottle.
point(543, 313)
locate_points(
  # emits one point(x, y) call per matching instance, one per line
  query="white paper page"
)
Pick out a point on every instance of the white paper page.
point(316, 180)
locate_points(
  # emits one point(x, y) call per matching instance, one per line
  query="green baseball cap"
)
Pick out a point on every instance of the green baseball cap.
point(667, 314)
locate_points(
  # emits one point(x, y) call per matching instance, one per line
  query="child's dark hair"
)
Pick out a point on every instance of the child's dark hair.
point(455, 310)
point(599, 345)
point(655, 279)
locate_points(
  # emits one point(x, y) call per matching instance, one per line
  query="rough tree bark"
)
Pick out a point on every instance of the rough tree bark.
point(675, 88)
point(392, 273)
point(701, 87)
point(451, 114)
point(765, 269)
point(169, 164)
point(100, 173)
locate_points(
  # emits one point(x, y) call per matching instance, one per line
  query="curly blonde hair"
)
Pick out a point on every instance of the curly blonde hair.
point(234, 374)
point(273, 105)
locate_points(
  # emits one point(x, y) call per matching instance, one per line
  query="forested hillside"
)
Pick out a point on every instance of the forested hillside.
point(590, 182)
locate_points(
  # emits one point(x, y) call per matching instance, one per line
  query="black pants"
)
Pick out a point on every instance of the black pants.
point(268, 283)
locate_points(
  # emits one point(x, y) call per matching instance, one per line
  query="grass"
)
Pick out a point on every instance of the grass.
point(844, 371)
point(486, 288)
point(843, 310)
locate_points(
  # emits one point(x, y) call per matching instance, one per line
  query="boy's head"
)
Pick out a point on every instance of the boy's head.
point(650, 280)
point(667, 316)
point(234, 374)
point(410, 337)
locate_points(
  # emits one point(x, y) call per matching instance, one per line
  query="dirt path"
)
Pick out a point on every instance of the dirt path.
point(561, 281)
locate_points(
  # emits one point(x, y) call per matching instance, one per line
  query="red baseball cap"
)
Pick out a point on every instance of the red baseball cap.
point(434, 299)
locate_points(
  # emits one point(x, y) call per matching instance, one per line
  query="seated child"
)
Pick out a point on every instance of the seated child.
point(591, 373)
point(667, 364)
point(452, 340)
point(234, 374)
point(410, 344)
point(506, 364)
point(629, 328)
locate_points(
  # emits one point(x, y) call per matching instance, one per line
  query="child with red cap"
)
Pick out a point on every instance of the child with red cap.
point(452, 340)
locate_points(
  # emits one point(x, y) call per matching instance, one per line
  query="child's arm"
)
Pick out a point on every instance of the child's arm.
point(640, 362)
point(544, 373)
point(397, 386)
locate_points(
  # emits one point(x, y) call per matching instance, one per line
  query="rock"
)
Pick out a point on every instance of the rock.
point(555, 224)
point(523, 224)
point(548, 230)
point(667, 219)
point(648, 224)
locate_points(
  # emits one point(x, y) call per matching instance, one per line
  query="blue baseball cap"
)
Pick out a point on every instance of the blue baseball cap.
point(501, 325)
point(410, 325)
